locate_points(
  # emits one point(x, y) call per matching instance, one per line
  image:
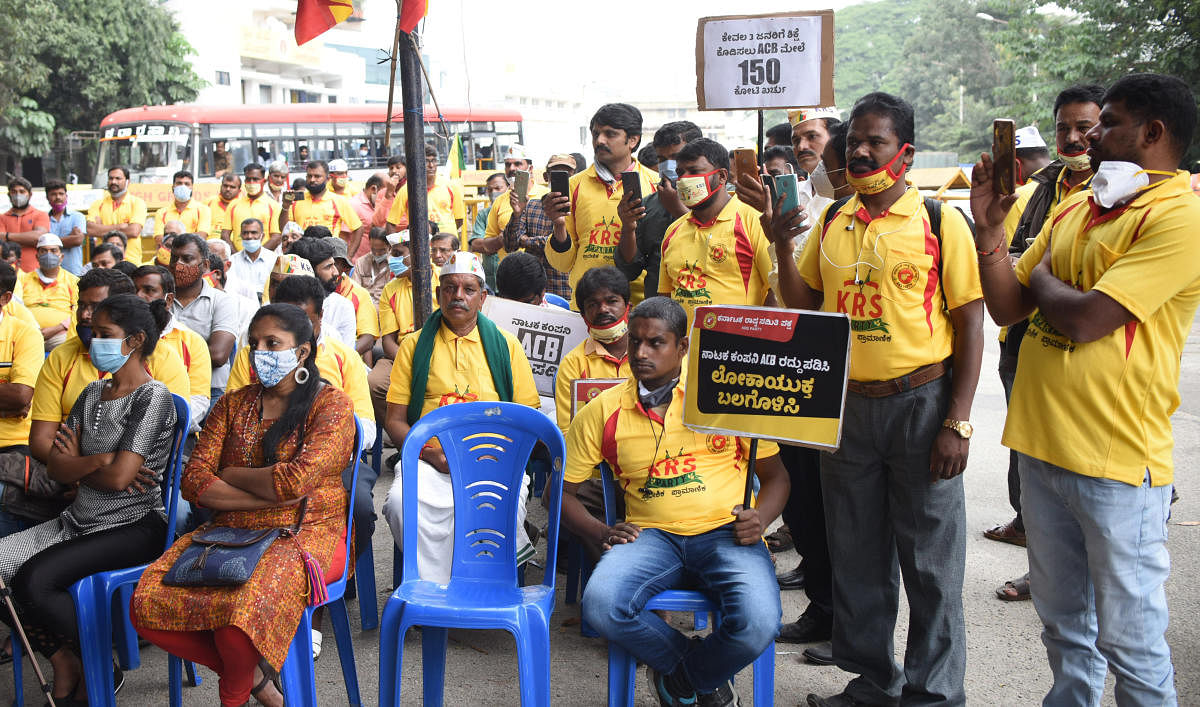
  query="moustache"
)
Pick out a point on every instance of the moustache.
point(1074, 148)
point(458, 304)
point(806, 153)
point(862, 165)
point(603, 318)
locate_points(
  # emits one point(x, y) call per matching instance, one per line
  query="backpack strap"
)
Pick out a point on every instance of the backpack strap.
point(832, 211)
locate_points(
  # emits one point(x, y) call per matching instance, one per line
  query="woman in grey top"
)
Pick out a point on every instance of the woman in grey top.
point(113, 449)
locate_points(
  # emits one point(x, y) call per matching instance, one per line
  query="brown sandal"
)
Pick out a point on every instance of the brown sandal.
point(780, 540)
point(1007, 533)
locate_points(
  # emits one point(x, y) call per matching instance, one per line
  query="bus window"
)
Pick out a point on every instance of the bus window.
point(151, 152)
point(227, 149)
point(353, 145)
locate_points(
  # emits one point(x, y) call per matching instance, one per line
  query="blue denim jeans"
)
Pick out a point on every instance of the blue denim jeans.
point(740, 579)
point(886, 519)
point(1097, 564)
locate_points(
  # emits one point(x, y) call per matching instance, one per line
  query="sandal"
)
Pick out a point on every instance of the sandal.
point(780, 540)
point(1015, 590)
point(269, 676)
point(1007, 533)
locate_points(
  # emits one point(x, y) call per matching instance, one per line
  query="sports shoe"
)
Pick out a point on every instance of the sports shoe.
point(723, 696)
point(666, 689)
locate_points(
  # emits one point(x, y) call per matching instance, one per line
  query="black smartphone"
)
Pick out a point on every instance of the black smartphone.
point(1004, 156)
point(560, 182)
point(769, 183)
point(632, 183)
point(297, 194)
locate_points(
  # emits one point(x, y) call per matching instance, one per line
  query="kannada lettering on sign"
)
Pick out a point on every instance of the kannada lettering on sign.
point(768, 373)
point(546, 333)
point(782, 60)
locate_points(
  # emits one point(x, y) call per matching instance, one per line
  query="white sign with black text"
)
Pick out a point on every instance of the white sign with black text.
point(546, 333)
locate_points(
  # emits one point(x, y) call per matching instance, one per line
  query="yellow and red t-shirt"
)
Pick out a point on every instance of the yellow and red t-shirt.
point(220, 210)
point(1111, 400)
point(130, 209)
point(459, 372)
point(396, 306)
point(502, 211)
point(587, 360)
point(674, 479)
point(21, 348)
point(263, 208)
point(338, 364)
point(329, 210)
point(365, 313)
point(192, 349)
point(444, 202)
point(593, 228)
point(52, 303)
point(725, 261)
point(195, 217)
point(896, 280)
point(68, 369)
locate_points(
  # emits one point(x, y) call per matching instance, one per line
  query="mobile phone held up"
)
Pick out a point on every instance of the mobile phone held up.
point(631, 182)
point(1004, 156)
point(744, 162)
point(521, 185)
point(787, 187)
point(297, 194)
point(667, 169)
point(560, 182)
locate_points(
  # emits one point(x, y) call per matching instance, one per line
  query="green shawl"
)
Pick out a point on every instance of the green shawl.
point(495, 347)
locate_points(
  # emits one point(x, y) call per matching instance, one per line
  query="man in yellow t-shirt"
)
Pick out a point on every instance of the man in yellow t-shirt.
point(195, 217)
point(221, 204)
point(155, 282)
point(602, 296)
point(20, 360)
point(118, 210)
point(1112, 283)
point(684, 517)
point(587, 228)
point(444, 200)
point(321, 207)
point(254, 203)
point(894, 487)
point(450, 360)
point(49, 292)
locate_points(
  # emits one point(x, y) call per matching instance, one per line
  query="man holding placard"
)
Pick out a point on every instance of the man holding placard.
point(684, 518)
point(903, 270)
point(602, 296)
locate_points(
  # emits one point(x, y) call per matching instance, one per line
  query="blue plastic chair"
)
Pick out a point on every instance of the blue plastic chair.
point(97, 596)
point(557, 300)
point(364, 566)
point(298, 676)
point(622, 667)
point(487, 446)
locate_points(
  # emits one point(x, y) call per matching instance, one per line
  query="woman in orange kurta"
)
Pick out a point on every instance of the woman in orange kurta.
point(262, 449)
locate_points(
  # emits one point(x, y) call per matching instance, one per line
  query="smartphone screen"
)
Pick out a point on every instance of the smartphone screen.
point(560, 182)
point(632, 183)
point(744, 162)
point(521, 185)
point(1004, 156)
point(789, 192)
point(297, 194)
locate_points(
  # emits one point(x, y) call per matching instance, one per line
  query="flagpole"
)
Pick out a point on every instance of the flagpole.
point(387, 125)
point(411, 96)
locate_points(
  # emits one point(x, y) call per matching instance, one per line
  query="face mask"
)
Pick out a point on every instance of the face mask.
point(58, 208)
point(315, 189)
point(380, 259)
point(251, 245)
point(397, 265)
point(881, 179)
point(272, 366)
point(19, 201)
point(185, 275)
point(610, 332)
point(49, 261)
point(1077, 161)
point(118, 194)
point(363, 153)
point(1117, 183)
point(820, 181)
point(253, 188)
point(106, 354)
point(84, 332)
point(182, 192)
point(694, 190)
point(653, 398)
point(162, 256)
point(339, 182)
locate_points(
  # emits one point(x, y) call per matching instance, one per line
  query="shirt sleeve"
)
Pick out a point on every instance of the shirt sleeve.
point(960, 266)
point(387, 316)
point(458, 203)
point(349, 215)
point(400, 385)
point(166, 366)
point(47, 391)
point(763, 261)
point(1033, 254)
point(225, 316)
point(366, 316)
point(199, 368)
point(585, 438)
point(137, 212)
point(28, 355)
point(272, 224)
point(239, 372)
point(160, 222)
point(354, 385)
point(204, 222)
point(202, 466)
point(808, 261)
point(326, 449)
point(568, 370)
point(398, 214)
point(93, 212)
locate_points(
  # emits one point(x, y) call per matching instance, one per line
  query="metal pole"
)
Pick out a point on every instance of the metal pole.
point(753, 449)
point(760, 136)
point(6, 593)
point(414, 158)
point(387, 125)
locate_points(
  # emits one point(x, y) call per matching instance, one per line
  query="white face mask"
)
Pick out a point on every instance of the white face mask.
point(820, 181)
point(1117, 182)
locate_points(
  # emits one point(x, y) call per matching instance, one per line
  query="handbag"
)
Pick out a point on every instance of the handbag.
point(221, 556)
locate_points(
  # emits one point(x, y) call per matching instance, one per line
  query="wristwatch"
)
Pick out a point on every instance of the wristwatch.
point(962, 428)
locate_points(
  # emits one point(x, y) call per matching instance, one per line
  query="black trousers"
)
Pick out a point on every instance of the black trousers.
point(804, 514)
point(41, 587)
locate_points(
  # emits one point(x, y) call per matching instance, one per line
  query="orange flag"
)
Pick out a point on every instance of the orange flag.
point(315, 16)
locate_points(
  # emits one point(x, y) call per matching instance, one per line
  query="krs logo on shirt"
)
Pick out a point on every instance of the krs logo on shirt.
point(603, 238)
point(690, 283)
point(456, 397)
point(676, 474)
point(865, 310)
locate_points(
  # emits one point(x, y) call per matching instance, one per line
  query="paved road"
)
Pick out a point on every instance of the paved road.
point(1006, 661)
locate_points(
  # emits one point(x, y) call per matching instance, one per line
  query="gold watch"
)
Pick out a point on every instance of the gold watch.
point(962, 428)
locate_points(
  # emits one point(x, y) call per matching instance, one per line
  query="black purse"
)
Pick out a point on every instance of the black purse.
point(220, 556)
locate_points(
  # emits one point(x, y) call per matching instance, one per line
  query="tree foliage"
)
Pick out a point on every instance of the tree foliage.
point(70, 62)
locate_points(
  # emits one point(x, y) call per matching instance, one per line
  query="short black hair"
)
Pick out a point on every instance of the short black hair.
point(675, 132)
point(8, 278)
point(52, 184)
point(181, 174)
point(1028, 153)
point(603, 278)
point(1159, 97)
point(455, 244)
point(647, 156)
point(316, 231)
point(253, 166)
point(164, 274)
point(621, 116)
point(317, 163)
point(520, 276)
point(121, 168)
point(117, 234)
point(708, 148)
point(495, 175)
point(395, 159)
point(314, 250)
point(837, 138)
point(373, 181)
point(430, 151)
point(299, 183)
point(135, 316)
point(252, 220)
point(893, 107)
point(780, 152)
point(20, 182)
point(299, 289)
point(116, 281)
point(126, 267)
point(10, 249)
point(665, 310)
point(377, 233)
point(183, 239)
point(580, 162)
point(781, 133)
point(117, 254)
point(1079, 93)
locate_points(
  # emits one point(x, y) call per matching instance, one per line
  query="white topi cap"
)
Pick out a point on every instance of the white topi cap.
point(49, 239)
point(338, 166)
point(397, 238)
point(463, 263)
point(1029, 136)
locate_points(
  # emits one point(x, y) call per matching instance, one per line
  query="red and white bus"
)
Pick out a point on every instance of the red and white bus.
point(157, 141)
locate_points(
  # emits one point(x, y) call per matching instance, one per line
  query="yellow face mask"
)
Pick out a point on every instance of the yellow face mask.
point(881, 179)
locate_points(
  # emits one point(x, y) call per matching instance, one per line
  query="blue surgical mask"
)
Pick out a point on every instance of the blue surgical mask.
point(396, 265)
point(182, 192)
point(106, 354)
point(251, 245)
point(273, 366)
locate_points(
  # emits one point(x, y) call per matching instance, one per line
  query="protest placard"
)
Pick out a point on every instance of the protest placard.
point(767, 373)
point(781, 60)
point(584, 389)
point(546, 333)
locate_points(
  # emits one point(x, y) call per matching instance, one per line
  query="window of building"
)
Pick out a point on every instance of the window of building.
point(222, 78)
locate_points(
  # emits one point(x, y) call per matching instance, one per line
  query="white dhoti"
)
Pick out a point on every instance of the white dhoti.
point(435, 521)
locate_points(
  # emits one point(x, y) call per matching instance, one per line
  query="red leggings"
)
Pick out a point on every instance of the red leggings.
point(226, 651)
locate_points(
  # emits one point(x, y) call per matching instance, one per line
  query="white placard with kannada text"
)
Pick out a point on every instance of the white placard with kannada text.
point(782, 60)
point(546, 333)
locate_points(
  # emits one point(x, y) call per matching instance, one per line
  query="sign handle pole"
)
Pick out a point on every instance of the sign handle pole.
point(750, 474)
point(760, 135)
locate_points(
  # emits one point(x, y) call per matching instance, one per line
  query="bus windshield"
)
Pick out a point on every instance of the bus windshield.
point(151, 152)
